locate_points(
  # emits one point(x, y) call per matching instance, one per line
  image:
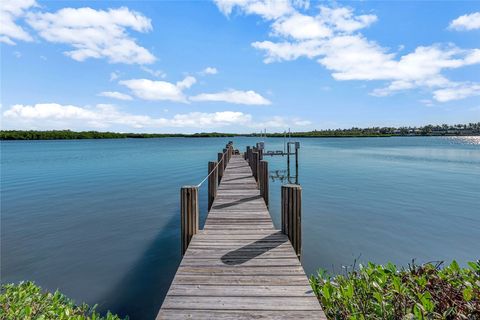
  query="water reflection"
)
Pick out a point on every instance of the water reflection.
point(284, 176)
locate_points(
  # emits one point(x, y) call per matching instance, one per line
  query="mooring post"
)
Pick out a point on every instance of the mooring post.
point(249, 156)
point(252, 150)
point(260, 154)
point(188, 214)
point(212, 182)
point(292, 215)
point(246, 152)
point(225, 161)
point(220, 166)
point(264, 180)
point(255, 164)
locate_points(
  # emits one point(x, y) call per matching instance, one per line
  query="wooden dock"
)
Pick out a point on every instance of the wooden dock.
point(239, 266)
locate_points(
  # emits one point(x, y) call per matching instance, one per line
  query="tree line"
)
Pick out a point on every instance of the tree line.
point(428, 130)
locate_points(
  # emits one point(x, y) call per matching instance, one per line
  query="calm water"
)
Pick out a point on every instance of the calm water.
point(100, 219)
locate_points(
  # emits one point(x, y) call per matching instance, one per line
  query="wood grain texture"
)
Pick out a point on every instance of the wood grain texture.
point(239, 266)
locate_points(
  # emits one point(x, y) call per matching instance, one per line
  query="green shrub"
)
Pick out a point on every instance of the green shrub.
point(417, 292)
point(27, 301)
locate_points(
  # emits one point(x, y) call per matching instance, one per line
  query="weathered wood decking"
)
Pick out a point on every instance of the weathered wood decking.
point(239, 266)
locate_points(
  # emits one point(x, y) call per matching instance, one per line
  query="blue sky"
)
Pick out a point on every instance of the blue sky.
point(238, 65)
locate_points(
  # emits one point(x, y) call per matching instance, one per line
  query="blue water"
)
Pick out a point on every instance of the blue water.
point(99, 219)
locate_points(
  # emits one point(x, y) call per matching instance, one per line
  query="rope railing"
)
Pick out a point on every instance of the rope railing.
point(215, 168)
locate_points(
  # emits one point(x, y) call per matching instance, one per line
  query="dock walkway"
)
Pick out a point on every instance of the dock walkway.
point(239, 266)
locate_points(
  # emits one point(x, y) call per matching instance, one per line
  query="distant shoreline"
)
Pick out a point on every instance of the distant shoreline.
point(472, 129)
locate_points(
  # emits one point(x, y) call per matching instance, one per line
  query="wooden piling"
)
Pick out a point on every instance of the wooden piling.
point(188, 214)
point(247, 152)
point(264, 180)
point(230, 152)
point(255, 164)
point(226, 159)
point(212, 182)
point(291, 215)
point(249, 156)
point(220, 166)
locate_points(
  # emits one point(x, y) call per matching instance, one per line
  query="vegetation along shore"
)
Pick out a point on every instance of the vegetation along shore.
point(428, 130)
point(425, 291)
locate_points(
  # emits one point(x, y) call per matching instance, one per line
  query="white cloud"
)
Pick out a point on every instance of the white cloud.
point(299, 26)
point(11, 10)
point(115, 95)
point(249, 97)
point(332, 38)
point(268, 9)
point(95, 33)
point(209, 70)
point(57, 116)
point(466, 22)
point(48, 116)
point(186, 83)
point(159, 90)
point(342, 19)
point(457, 91)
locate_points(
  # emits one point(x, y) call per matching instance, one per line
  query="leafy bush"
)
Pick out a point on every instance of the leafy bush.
point(27, 301)
point(416, 292)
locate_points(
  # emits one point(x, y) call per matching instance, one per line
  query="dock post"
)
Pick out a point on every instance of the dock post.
point(246, 152)
point(264, 180)
point(260, 153)
point(212, 182)
point(188, 214)
point(249, 156)
point(255, 164)
point(292, 215)
point(220, 167)
point(225, 161)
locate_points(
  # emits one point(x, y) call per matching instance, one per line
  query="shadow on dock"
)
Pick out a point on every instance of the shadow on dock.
point(236, 202)
point(254, 249)
point(238, 178)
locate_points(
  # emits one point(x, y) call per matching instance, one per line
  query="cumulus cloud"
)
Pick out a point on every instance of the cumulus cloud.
point(159, 90)
point(233, 96)
point(466, 22)
point(115, 95)
point(457, 91)
point(209, 70)
point(268, 9)
point(95, 33)
point(53, 115)
point(343, 19)
point(332, 37)
point(299, 26)
point(48, 116)
point(10, 11)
